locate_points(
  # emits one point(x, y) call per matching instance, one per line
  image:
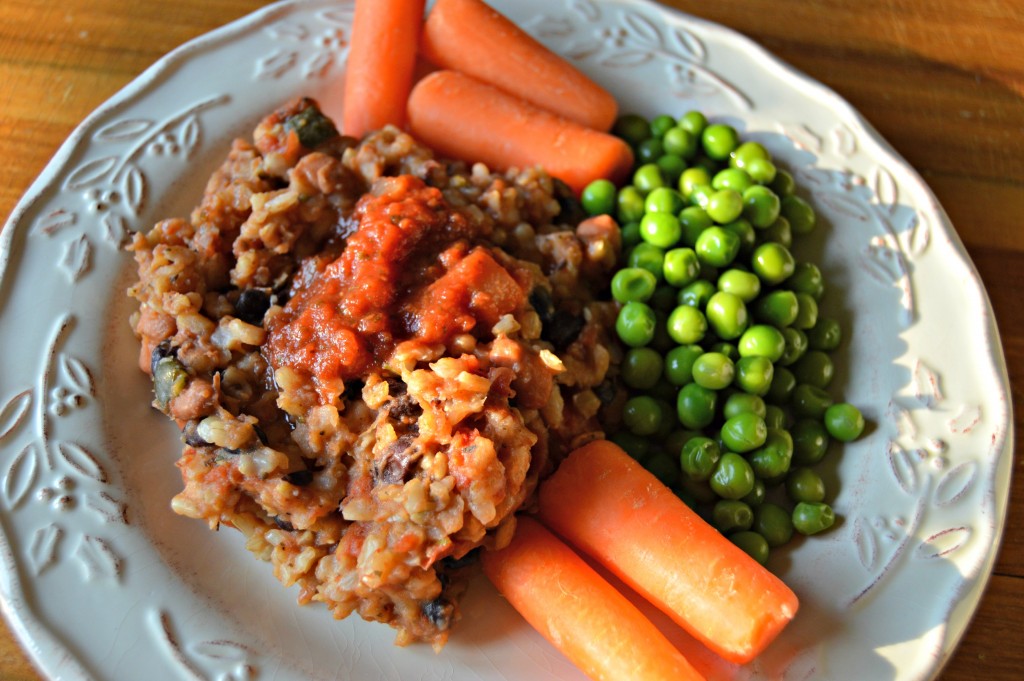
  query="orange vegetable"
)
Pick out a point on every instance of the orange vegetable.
point(579, 612)
point(465, 118)
point(471, 37)
point(381, 60)
point(609, 507)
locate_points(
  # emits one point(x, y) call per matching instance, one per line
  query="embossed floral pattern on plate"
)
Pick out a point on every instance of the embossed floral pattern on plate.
point(107, 583)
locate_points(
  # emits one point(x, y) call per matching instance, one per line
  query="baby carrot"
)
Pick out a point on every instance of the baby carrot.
point(381, 60)
point(468, 119)
point(579, 612)
point(606, 504)
point(471, 37)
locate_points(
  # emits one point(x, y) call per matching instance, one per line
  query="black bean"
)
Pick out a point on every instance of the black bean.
point(439, 612)
point(191, 434)
point(164, 349)
point(283, 524)
point(252, 304)
point(563, 330)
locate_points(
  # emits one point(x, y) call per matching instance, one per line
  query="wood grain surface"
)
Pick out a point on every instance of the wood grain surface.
point(942, 80)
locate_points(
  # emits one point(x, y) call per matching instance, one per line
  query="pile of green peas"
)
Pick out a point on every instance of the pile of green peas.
point(727, 360)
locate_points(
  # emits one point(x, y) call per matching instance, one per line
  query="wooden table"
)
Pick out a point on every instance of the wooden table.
point(943, 80)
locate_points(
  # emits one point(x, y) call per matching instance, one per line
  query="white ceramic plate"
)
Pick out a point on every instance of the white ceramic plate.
point(101, 580)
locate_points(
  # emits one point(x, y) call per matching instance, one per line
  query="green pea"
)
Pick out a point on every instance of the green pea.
point(630, 205)
point(796, 345)
point(807, 312)
point(807, 400)
point(803, 484)
point(718, 141)
point(665, 391)
point(732, 178)
point(695, 406)
point(635, 324)
point(757, 495)
point(732, 478)
point(810, 441)
point(698, 458)
point(775, 416)
point(774, 523)
point(781, 389)
point(754, 374)
point(641, 368)
point(661, 124)
point(771, 462)
point(772, 262)
point(660, 229)
point(672, 167)
point(726, 314)
point(761, 206)
point(717, 247)
point(693, 220)
point(649, 150)
point(699, 490)
point(663, 467)
point(633, 128)
point(826, 334)
point(693, 122)
point(746, 152)
point(687, 325)
point(637, 447)
point(806, 278)
point(692, 178)
point(713, 370)
point(681, 266)
point(647, 178)
point(698, 294)
point(725, 205)
point(649, 257)
point(743, 403)
point(814, 368)
point(844, 422)
point(633, 284)
point(745, 285)
point(762, 340)
point(641, 415)
point(700, 195)
point(745, 231)
point(761, 170)
point(784, 185)
point(681, 142)
point(664, 200)
point(630, 233)
point(778, 308)
point(753, 544)
point(598, 197)
point(812, 518)
point(799, 213)
point(731, 515)
point(727, 349)
point(779, 232)
point(744, 432)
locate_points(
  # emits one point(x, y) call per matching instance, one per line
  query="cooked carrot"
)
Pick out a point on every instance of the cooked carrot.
point(471, 37)
point(579, 612)
point(609, 507)
point(462, 117)
point(381, 60)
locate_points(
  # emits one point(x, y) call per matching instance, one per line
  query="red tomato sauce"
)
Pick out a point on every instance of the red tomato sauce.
point(408, 272)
